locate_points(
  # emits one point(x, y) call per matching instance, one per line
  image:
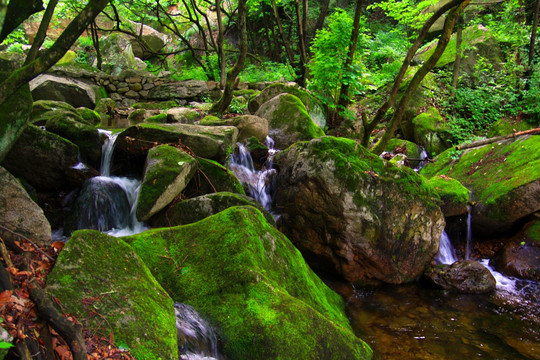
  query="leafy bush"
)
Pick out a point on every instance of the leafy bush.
point(266, 72)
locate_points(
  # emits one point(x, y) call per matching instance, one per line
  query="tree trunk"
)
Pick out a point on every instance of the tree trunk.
point(533, 38)
point(17, 11)
point(221, 49)
point(419, 76)
point(95, 42)
point(301, 24)
point(51, 56)
point(459, 50)
point(322, 15)
point(381, 111)
point(343, 99)
point(42, 32)
point(286, 43)
point(223, 103)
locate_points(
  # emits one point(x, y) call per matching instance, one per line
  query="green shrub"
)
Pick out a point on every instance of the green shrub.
point(266, 72)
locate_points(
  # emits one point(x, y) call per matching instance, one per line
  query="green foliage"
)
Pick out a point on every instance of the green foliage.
point(266, 72)
point(407, 12)
point(238, 106)
point(531, 98)
point(383, 55)
point(15, 40)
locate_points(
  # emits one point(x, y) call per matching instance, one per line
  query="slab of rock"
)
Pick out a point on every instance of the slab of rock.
point(188, 89)
point(75, 92)
point(19, 213)
point(353, 214)
point(463, 276)
point(167, 172)
point(182, 115)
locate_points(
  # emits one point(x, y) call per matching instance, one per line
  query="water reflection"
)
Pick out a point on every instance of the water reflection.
point(411, 322)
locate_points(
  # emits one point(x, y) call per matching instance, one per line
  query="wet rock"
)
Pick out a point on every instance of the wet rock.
point(288, 120)
point(463, 276)
point(19, 213)
point(454, 196)
point(353, 214)
point(75, 92)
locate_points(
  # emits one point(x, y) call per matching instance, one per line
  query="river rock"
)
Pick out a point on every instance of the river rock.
point(42, 158)
point(19, 213)
point(247, 125)
point(181, 90)
point(431, 131)
point(101, 205)
point(463, 276)
point(195, 209)
point(72, 126)
point(212, 177)
point(353, 214)
point(14, 114)
point(314, 108)
point(247, 279)
point(182, 115)
point(75, 92)
point(288, 120)
point(117, 53)
point(454, 196)
point(167, 172)
point(100, 274)
point(504, 179)
point(205, 141)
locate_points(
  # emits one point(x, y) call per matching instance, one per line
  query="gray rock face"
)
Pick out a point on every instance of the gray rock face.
point(75, 92)
point(117, 53)
point(464, 276)
point(352, 214)
point(19, 213)
point(42, 158)
point(189, 89)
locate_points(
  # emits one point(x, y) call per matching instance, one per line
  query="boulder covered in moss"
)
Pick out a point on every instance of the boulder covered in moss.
point(247, 125)
point(182, 115)
point(117, 53)
point(212, 177)
point(288, 120)
point(248, 280)
point(463, 276)
point(105, 285)
point(431, 131)
point(503, 177)
point(106, 108)
point(195, 209)
point(355, 215)
point(167, 172)
point(205, 141)
point(90, 116)
point(73, 127)
point(14, 115)
point(41, 107)
point(454, 196)
point(413, 152)
point(20, 214)
point(42, 158)
point(313, 106)
point(506, 126)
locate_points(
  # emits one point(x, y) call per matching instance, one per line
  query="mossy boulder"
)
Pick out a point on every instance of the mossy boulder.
point(167, 172)
point(355, 215)
point(503, 177)
point(182, 115)
point(288, 120)
point(247, 125)
point(72, 127)
point(454, 196)
point(41, 107)
point(42, 158)
point(89, 116)
point(507, 126)
point(205, 141)
point(313, 107)
point(463, 276)
point(212, 177)
point(106, 108)
point(248, 280)
point(100, 274)
point(412, 151)
point(160, 118)
point(14, 114)
point(20, 214)
point(431, 131)
point(76, 92)
point(117, 53)
point(195, 209)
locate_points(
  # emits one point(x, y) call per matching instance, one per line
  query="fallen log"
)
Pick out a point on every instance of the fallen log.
point(497, 138)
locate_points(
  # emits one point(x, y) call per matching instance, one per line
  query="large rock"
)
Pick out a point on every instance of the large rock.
point(188, 89)
point(73, 127)
point(75, 92)
point(213, 177)
point(504, 179)
point(288, 120)
point(41, 107)
point(314, 108)
point(149, 43)
point(182, 115)
point(454, 196)
point(117, 53)
point(101, 280)
point(248, 280)
point(353, 214)
point(42, 158)
point(167, 172)
point(247, 125)
point(205, 141)
point(19, 213)
point(463, 276)
point(431, 131)
point(195, 209)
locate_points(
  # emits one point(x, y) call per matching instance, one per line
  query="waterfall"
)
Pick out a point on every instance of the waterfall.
point(423, 156)
point(259, 182)
point(107, 203)
point(447, 253)
point(196, 338)
point(469, 245)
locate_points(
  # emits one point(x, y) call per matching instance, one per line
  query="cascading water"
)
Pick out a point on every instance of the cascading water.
point(447, 253)
point(196, 338)
point(259, 182)
point(423, 156)
point(468, 244)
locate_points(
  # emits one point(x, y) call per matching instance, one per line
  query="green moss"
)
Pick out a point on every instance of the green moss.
point(68, 58)
point(249, 280)
point(14, 113)
point(89, 116)
point(137, 116)
point(292, 115)
point(247, 93)
point(163, 105)
point(100, 280)
point(211, 120)
point(213, 177)
point(506, 126)
point(159, 118)
point(533, 232)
